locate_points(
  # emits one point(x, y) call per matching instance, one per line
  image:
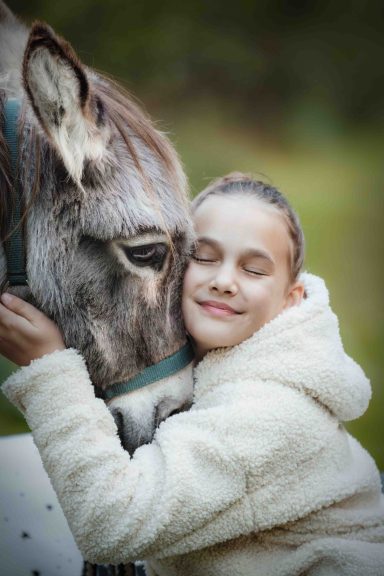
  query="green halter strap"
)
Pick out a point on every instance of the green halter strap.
point(154, 373)
point(14, 245)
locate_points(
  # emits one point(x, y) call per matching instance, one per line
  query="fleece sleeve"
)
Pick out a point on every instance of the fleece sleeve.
point(216, 472)
point(118, 508)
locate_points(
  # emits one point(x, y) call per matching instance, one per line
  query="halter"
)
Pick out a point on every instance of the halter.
point(14, 246)
point(17, 275)
point(154, 373)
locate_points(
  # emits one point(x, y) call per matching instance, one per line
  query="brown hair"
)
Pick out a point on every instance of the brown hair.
point(237, 183)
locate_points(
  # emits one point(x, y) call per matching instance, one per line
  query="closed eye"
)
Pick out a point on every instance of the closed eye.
point(255, 272)
point(198, 259)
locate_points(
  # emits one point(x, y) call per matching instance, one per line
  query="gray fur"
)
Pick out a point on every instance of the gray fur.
point(92, 201)
point(13, 39)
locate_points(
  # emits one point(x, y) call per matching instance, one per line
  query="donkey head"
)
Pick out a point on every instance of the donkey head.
point(108, 229)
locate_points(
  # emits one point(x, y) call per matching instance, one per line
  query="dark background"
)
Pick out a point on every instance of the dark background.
point(289, 90)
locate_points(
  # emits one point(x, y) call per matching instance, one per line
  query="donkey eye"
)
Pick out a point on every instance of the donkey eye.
point(152, 255)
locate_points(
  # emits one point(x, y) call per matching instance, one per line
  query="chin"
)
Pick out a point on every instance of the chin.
point(218, 342)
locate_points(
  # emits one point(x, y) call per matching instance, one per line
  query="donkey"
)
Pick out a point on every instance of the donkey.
point(105, 220)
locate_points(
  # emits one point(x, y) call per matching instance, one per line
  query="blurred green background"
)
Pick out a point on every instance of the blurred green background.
point(290, 90)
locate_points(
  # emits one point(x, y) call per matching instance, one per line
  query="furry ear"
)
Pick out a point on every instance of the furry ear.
point(60, 93)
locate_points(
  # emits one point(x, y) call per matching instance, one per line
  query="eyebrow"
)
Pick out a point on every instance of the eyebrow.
point(248, 253)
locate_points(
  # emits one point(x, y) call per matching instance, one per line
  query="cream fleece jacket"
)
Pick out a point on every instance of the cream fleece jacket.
point(259, 478)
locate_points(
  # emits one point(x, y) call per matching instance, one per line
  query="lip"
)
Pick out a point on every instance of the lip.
point(217, 308)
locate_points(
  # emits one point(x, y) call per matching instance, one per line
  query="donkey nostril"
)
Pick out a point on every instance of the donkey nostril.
point(168, 407)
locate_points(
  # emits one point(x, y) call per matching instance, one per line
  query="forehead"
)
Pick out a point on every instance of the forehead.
point(244, 221)
point(120, 207)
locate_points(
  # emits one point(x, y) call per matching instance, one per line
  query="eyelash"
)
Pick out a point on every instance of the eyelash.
point(209, 261)
point(254, 273)
point(197, 259)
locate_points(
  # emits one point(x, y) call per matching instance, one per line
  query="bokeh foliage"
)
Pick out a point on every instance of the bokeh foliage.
point(292, 90)
point(270, 55)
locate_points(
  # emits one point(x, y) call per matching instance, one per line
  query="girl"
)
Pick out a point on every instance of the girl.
point(259, 477)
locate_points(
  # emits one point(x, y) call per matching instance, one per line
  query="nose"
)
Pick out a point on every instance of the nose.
point(224, 281)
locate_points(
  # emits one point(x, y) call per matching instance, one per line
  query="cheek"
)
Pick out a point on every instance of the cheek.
point(192, 278)
point(187, 282)
point(188, 289)
point(264, 300)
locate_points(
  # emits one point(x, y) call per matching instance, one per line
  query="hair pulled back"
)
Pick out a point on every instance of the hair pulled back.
point(237, 183)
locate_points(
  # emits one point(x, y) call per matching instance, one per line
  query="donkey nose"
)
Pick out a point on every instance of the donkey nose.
point(168, 407)
point(119, 421)
point(131, 436)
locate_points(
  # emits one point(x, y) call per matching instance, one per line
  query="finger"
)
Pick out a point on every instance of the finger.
point(10, 321)
point(20, 307)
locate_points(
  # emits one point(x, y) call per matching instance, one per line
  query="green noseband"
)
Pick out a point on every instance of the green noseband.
point(162, 369)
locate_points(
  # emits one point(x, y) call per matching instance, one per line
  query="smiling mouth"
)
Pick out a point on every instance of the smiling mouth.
point(217, 308)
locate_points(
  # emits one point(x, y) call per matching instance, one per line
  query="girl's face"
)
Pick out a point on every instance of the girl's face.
point(239, 276)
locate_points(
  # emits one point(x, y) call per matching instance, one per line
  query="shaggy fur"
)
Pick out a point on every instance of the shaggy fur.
point(98, 180)
point(259, 478)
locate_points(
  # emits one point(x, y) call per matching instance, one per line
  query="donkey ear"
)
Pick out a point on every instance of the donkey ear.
point(60, 94)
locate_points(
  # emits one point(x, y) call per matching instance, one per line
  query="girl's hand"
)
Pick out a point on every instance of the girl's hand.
point(25, 332)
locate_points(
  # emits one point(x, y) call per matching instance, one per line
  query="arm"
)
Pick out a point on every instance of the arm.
point(118, 508)
point(211, 474)
point(121, 508)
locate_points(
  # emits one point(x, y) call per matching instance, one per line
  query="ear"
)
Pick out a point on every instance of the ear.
point(295, 295)
point(60, 94)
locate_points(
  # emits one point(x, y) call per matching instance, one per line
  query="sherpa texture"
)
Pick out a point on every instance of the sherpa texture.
point(259, 478)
